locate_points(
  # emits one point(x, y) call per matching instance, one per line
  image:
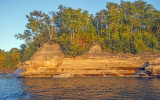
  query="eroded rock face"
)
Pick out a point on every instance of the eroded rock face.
point(95, 50)
point(154, 68)
point(49, 60)
point(44, 62)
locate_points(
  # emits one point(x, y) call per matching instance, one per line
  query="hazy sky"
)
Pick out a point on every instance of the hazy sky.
point(13, 14)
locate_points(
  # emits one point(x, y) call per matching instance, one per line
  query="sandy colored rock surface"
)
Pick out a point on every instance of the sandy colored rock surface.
point(49, 60)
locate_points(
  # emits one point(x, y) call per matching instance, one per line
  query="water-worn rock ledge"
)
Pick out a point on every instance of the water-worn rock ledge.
point(49, 61)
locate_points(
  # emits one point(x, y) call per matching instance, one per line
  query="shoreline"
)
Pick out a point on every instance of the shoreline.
point(7, 70)
point(49, 61)
point(82, 76)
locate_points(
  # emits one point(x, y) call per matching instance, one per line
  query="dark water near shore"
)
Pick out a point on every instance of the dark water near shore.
point(89, 88)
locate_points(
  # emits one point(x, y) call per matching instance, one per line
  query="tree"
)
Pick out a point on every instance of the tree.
point(126, 27)
point(2, 58)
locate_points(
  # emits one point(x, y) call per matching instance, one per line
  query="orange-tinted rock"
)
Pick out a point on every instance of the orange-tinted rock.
point(49, 60)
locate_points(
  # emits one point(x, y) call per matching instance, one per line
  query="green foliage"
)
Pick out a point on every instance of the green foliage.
point(28, 52)
point(80, 44)
point(2, 58)
point(10, 59)
point(129, 27)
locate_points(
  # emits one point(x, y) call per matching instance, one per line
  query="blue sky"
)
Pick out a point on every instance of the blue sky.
point(13, 14)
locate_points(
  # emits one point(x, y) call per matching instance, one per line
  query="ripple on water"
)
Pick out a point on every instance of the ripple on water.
point(79, 88)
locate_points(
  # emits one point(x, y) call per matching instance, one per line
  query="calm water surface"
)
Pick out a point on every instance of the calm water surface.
point(91, 88)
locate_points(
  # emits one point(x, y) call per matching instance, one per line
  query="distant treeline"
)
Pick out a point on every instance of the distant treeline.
point(129, 27)
point(10, 59)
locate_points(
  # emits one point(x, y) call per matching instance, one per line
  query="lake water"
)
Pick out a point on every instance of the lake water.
point(86, 88)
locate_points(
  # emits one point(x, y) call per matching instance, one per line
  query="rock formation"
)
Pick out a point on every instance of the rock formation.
point(49, 61)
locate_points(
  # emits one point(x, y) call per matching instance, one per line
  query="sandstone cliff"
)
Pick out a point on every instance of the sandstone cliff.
point(49, 60)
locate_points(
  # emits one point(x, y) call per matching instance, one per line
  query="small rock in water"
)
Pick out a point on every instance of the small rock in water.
point(18, 72)
point(65, 75)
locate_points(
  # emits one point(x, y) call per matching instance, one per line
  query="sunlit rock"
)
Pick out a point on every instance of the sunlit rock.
point(49, 61)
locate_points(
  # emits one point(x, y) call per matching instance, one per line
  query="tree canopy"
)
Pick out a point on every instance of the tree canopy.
point(129, 27)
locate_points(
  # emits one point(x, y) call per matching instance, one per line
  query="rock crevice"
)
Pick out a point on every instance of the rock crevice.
point(49, 61)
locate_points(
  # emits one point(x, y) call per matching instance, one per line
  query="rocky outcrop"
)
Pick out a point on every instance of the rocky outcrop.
point(154, 68)
point(149, 69)
point(49, 61)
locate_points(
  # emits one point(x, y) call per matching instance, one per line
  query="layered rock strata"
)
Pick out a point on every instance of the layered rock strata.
point(49, 61)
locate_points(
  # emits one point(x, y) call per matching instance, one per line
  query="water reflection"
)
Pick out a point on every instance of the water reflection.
point(12, 88)
point(78, 88)
point(92, 88)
